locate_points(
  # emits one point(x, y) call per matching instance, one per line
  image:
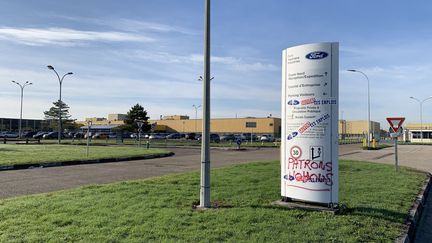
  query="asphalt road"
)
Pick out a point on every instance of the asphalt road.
point(32, 181)
point(39, 180)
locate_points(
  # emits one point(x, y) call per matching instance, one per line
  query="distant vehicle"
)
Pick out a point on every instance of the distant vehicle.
point(191, 136)
point(100, 135)
point(28, 134)
point(51, 135)
point(228, 137)
point(267, 138)
point(157, 136)
point(247, 136)
point(9, 135)
point(214, 138)
point(174, 136)
point(79, 135)
point(39, 135)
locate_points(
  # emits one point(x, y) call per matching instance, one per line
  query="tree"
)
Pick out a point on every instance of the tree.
point(137, 112)
point(52, 116)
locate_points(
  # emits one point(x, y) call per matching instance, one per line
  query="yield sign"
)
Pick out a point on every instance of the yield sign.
point(395, 122)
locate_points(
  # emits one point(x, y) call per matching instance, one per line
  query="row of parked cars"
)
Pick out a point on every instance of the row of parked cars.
point(213, 137)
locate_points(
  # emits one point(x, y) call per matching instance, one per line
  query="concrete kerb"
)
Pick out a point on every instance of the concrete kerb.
point(415, 213)
point(80, 162)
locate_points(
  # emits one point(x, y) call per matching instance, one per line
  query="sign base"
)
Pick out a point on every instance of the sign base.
point(334, 209)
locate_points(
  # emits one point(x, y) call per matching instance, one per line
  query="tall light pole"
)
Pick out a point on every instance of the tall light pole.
point(421, 114)
point(22, 86)
point(368, 94)
point(196, 115)
point(60, 99)
point(205, 145)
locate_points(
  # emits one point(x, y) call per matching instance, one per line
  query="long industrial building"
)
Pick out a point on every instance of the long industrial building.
point(255, 125)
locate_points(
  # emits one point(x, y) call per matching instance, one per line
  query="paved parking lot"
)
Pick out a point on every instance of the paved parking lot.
point(31, 181)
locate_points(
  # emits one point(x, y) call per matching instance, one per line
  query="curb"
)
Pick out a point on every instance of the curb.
point(80, 162)
point(415, 213)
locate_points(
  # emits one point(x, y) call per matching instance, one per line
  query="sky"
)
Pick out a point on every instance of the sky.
point(151, 52)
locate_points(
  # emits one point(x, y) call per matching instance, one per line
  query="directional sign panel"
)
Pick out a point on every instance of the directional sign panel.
point(309, 156)
point(395, 122)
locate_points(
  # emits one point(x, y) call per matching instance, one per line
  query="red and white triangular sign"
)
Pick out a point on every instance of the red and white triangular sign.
point(395, 122)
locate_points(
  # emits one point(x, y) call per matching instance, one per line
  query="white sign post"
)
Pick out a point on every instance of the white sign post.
point(396, 127)
point(309, 148)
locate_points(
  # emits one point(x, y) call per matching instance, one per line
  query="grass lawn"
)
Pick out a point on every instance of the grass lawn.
point(12, 154)
point(159, 209)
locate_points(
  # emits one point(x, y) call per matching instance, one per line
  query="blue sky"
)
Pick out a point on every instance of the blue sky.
point(150, 52)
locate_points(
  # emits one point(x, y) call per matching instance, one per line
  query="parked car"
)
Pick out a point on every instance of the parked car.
point(191, 136)
point(267, 138)
point(39, 135)
point(228, 137)
point(247, 136)
point(79, 135)
point(157, 136)
point(28, 134)
point(214, 138)
point(174, 136)
point(100, 135)
point(52, 135)
point(9, 135)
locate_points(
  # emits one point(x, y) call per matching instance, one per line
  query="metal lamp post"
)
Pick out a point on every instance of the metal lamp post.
point(421, 114)
point(89, 124)
point(205, 145)
point(22, 86)
point(196, 115)
point(368, 91)
point(140, 123)
point(60, 99)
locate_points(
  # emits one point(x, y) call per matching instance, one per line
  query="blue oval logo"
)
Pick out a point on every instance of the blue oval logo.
point(316, 55)
point(293, 102)
point(292, 135)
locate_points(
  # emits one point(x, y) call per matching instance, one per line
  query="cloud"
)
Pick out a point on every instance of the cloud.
point(232, 63)
point(65, 36)
point(132, 25)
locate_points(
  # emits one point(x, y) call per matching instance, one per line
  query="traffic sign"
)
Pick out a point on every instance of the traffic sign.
point(395, 122)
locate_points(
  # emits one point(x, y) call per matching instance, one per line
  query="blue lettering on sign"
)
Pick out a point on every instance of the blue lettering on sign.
point(316, 55)
point(293, 102)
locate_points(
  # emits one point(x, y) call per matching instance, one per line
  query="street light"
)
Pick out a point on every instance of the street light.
point(139, 123)
point(60, 101)
point(196, 115)
point(89, 124)
point(421, 114)
point(368, 91)
point(22, 86)
point(205, 145)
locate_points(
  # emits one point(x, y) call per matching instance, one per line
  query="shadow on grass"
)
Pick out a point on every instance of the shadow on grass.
point(8, 150)
point(378, 213)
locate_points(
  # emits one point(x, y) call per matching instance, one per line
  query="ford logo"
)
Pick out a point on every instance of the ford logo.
point(316, 55)
point(293, 102)
point(292, 135)
point(289, 177)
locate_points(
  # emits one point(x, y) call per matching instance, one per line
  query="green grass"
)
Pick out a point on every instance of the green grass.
point(159, 210)
point(12, 154)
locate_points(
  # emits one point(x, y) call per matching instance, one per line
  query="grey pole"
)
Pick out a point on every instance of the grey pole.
point(60, 100)
point(421, 114)
point(205, 145)
point(89, 123)
point(368, 91)
point(21, 109)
